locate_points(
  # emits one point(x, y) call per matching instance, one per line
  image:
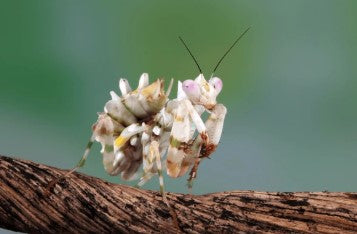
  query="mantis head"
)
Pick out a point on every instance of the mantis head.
point(201, 92)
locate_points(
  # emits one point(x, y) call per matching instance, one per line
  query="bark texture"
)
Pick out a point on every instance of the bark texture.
point(83, 204)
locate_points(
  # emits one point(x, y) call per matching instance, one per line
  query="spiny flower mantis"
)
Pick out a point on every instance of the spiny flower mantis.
point(143, 125)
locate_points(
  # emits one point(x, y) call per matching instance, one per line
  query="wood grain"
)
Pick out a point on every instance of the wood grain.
point(84, 204)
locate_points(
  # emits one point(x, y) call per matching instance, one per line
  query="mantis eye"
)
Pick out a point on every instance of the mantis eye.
point(216, 83)
point(191, 88)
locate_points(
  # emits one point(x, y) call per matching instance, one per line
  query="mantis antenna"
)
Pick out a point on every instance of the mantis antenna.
point(194, 59)
point(230, 48)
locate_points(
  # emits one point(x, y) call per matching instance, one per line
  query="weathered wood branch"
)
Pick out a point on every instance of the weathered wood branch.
point(85, 204)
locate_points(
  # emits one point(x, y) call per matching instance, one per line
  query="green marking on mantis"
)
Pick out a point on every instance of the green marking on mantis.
point(109, 148)
point(81, 162)
point(190, 183)
point(83, 159)
point(174, 142)
point(89, 145)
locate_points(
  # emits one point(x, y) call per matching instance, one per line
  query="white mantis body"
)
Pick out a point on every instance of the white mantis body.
point(128, 144)
point(142, 126)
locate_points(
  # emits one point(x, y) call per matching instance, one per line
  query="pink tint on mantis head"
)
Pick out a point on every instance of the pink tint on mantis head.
point(217, 84)
point(201, 92)
point(191, 88)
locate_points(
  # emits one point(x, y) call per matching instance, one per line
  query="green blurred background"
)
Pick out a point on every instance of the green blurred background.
point(289, 86)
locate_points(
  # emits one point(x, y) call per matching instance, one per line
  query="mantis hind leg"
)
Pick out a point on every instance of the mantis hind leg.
point(80, 164)
point(143, 179)
point(155, 153)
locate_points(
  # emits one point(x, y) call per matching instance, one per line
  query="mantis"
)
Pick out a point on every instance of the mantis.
point(142, 126)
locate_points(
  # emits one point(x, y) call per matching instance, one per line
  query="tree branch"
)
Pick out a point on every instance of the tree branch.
point(85, 204)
